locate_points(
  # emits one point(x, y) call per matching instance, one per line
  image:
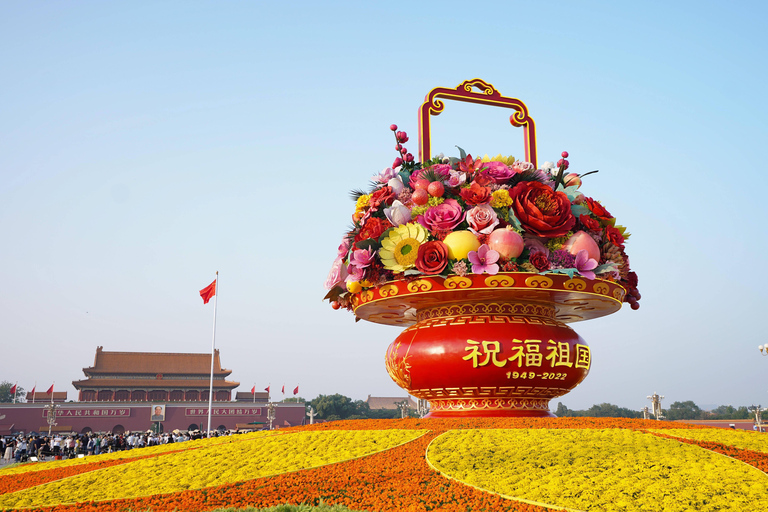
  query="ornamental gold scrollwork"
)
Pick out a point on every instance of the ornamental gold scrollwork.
point(601, 288)
point(366, 295)
point(389, 290)
point(575, 284)
point(618, 294)
point(485, 88)
point(397, 367)
point(499, 281)
point(420, 285)
point(539, 282)
point(454, 282)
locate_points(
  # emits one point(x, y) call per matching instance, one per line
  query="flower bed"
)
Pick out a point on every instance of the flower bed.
point(735, 438)
point(211, 466)
point(597, 469)
point(389, 476)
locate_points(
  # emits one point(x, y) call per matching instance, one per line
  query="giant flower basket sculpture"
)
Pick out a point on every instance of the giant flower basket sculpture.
point(484, 261)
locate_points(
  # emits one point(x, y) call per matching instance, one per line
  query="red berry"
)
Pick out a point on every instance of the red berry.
point(564, 154)
point(420, 197)
point(393, 127)
point(436, 189)
point(635, 305)
point(335, 305)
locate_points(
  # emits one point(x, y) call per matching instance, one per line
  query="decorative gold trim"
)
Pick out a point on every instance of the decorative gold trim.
point(539, 282)
point(575, 284)
point(454, 282)
point(618, 294)
point(499, 281)
point(489, 404)
point(389, 290)
point(420, 285)
point(601, 288)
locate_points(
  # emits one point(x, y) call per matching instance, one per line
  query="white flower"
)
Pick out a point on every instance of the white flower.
point(398, 214)
point(397, 185)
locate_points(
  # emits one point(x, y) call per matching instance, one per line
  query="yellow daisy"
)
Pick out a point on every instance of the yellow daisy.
point(399, 250)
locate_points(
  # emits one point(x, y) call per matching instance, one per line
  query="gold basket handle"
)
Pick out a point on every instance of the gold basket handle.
point(487, 95)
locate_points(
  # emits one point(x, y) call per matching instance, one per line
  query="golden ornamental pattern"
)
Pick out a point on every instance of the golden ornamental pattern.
point(575, 284)
point(455, 282)
point(389, 290)
point(420, 285)
point(539, 282)
point(499, 281)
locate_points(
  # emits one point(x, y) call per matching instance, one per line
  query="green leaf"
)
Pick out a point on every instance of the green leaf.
point(514, 221)
point(385, 234)
point(606, 267)
point(579, 209)
point(462, 153)
point(412, 272)
point(368, 243)
point(572, 192)
point(569, 271)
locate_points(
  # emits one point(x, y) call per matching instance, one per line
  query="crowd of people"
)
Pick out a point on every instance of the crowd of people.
point(21, 448)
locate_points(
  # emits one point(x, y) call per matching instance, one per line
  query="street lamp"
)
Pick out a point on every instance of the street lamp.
point(656, 399)
point(756, 409)
point(422, 407)
point(646, 412)
point(51, 411)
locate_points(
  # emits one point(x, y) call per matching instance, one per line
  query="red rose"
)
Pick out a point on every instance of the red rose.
point(432, 257)
point(383, 195)
point(589, 223)
point(541, 210)
point(476, 194)
point(597, 209)
point(373, 228)
point(540, 261)
point(483, 179)
point(614, 236)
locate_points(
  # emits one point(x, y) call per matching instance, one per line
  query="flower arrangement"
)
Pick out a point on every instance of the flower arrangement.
point(456, 216)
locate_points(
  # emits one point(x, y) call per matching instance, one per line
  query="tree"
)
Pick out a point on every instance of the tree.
point(562, 411)
point(294, 400)
point(333, 407)
point(5, 392)
point(683, 411)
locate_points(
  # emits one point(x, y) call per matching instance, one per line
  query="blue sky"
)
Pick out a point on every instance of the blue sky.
point(145, 145)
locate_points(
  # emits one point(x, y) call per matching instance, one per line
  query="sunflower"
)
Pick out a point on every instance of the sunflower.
point(399, 249)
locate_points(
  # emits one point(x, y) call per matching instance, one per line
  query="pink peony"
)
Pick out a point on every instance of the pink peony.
point(585, 265)
point(500, 172)
point(398, 214)
point(521, 166)
point(443, 217)
point(456, 179)
point(482, 219)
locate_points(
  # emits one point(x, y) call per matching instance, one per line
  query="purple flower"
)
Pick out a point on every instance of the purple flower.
point(443, 217)
point(362, 258)
point(562, 259)
point(484, 260)
point(585, 265)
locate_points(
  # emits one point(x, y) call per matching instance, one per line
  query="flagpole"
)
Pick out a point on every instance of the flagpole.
point(52, 385)
point(213, 350)
point(34, 390)
point(15, 391)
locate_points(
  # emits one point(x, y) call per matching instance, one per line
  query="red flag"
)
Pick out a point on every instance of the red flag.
point(253, 390)
point(50, 390)
point(296, 391)
point(208, 292)
point(13, 389)
point(33, 392)
point(266, 389)
point(283, 388)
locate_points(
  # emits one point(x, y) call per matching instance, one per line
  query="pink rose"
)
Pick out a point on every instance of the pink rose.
point(501, 173)
point(482, 219)
point(362, 258)
point(443, 217)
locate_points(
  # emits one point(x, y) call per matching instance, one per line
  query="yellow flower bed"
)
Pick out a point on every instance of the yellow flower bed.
point(743, 439)
point(607, 469)
point(130, 454)
point(211, 466)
